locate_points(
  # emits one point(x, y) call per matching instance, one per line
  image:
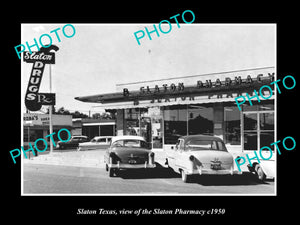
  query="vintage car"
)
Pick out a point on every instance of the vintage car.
point(264, 169)
point(73, 142)
point(98, 142)
point(128, 152)
point(200, 154)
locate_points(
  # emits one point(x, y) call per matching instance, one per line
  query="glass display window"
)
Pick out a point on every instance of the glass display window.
point(200, 119)
point(175, 123)
point(232, 125)
point(258, 126)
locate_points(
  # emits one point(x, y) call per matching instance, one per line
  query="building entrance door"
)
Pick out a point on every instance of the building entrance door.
point(257, 130)
point(157, 134)
point(145, 129)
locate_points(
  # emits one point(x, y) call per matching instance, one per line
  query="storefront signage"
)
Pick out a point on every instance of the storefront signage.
point(34, 100)
point(39, 119)
point(41, 42)
point(46, 98)
point(173, 88)
point(165, 92)
point(47, 58)
point(269, 88)
point(36, 119)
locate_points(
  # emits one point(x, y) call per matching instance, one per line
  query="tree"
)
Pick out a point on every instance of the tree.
point(63, 111)
point(96, 116)
point(103, 116)
point(78, 114)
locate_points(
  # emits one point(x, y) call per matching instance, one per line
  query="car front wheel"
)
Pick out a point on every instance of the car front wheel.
point(261, 176)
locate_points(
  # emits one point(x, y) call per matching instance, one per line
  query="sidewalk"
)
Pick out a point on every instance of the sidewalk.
point(91, 158)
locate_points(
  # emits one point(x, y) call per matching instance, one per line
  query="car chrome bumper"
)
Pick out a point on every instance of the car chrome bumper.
point(131, 166)
point(214, 172)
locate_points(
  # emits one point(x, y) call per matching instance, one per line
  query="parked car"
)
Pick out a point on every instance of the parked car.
point(73, 142)
point(200, 154)
point(264, 169)
point(128, 152)
point(98, 142)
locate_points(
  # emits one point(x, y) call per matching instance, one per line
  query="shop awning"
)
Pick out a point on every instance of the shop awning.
point(209, 92)
point(177, 101)
point(98, 124)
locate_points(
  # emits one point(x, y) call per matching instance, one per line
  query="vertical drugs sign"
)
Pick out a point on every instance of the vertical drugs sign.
point(33, 99)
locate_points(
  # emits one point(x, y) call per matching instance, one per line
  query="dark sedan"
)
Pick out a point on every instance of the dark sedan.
point(128, 152)
point(73, 143)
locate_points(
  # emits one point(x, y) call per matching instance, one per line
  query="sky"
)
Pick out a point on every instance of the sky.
point(99, 56)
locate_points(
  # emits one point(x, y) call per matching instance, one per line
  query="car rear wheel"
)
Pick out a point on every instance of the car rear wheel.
point(185, 178)
point(261, 176)
point(111, 172)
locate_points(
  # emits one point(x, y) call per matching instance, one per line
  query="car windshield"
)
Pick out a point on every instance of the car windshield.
point(130, 143)
point(205, 145)
point(76, 138)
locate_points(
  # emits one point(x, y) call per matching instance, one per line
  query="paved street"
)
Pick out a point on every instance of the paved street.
point(42, 178)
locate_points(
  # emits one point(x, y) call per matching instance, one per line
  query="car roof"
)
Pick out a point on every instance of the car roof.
point(200, 137)
point(127, 137)
point(97, 137)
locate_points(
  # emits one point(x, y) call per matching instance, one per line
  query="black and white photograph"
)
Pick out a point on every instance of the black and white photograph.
point(159, 109)
point(134, 112)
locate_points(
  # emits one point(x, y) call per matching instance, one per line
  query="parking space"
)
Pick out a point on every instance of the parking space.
point(72, 172)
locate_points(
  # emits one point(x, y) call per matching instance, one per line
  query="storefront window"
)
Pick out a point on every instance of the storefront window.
point(266, 121)
point(138, 123)
point(157, 134)
point(258, 129)
point(107, 130)
point(250, 131)
point(232, 123)
point(200, 120)
point(175, 123)
point(250, 122)
point(183, 120)
point(131, 117)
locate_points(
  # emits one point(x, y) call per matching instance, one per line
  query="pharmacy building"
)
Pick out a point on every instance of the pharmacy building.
point(163, 110)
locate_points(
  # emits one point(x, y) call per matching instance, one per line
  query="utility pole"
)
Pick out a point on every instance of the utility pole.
point(50, 110)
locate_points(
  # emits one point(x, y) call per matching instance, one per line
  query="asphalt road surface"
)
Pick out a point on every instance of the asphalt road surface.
point(59, 179)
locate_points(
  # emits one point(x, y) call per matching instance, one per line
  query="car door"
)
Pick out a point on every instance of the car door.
point(171, 155)
point(106, 155)
point(102, 143)
point(81, 140)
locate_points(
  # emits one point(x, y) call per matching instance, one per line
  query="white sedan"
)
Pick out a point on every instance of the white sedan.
point(200, 154)
point(99, 142)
